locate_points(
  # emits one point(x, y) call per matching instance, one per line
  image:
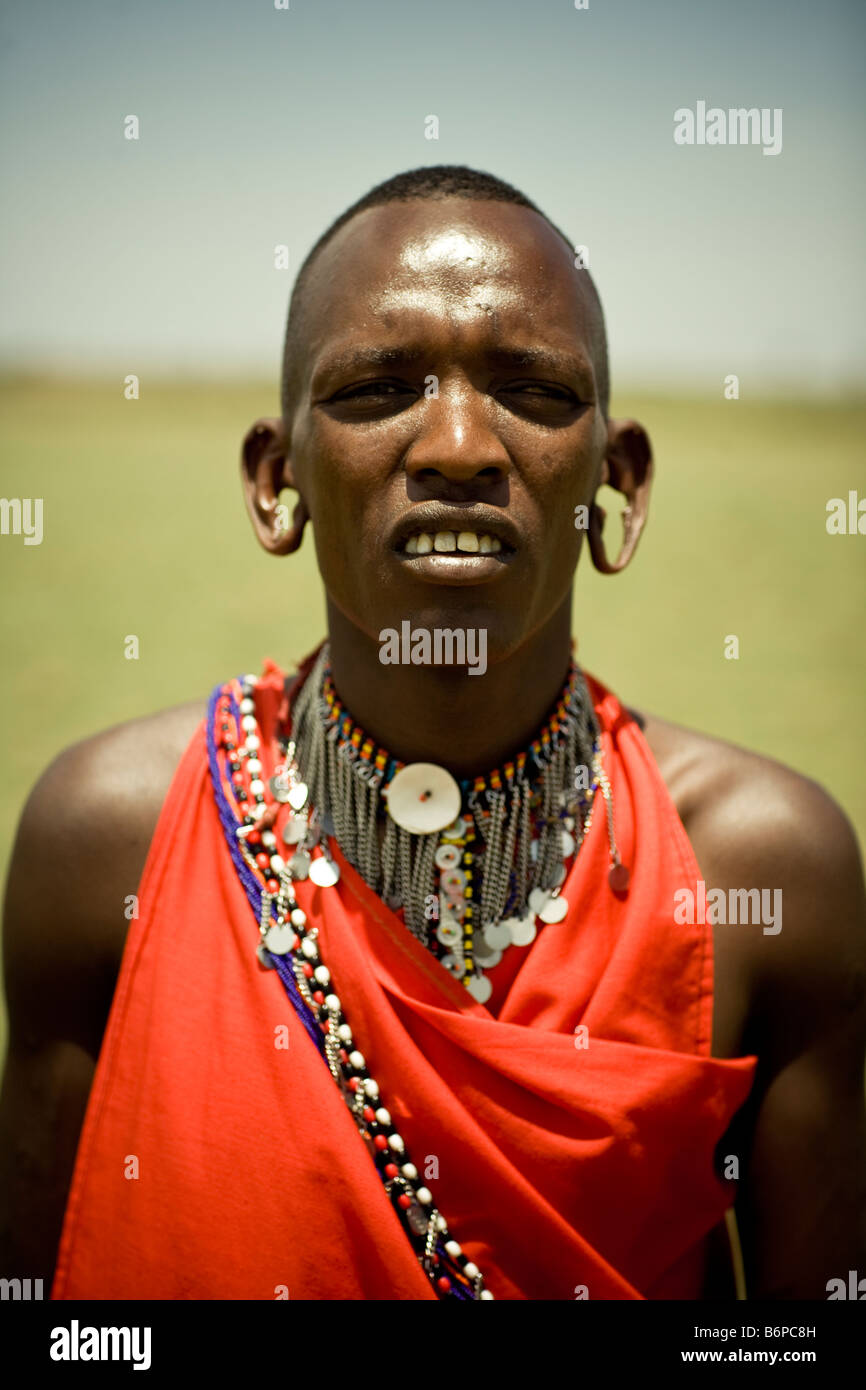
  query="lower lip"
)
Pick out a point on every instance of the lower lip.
point(451, 567)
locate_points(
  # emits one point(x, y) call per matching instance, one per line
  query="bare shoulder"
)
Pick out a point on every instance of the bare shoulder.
point(745, 810)
point(81, 846)
point(756, 824)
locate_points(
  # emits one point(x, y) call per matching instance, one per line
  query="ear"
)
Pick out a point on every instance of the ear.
point(265, 470)
point(628, 467)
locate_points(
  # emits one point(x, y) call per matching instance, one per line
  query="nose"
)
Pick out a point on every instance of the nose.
point(456, 447)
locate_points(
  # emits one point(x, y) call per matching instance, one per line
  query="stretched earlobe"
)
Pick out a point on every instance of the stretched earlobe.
point(265, 471)
point(597, 548)
point(628, 467)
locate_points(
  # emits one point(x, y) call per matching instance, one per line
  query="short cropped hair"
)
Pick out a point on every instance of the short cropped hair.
point(432, 181)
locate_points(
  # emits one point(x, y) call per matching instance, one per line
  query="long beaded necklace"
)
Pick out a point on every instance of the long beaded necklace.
point(289, 945)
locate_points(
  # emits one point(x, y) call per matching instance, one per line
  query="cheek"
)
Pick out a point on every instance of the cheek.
point(340, 489)
point(563, 491)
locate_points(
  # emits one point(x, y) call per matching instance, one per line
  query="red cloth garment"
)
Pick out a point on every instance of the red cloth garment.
point(556, 1166)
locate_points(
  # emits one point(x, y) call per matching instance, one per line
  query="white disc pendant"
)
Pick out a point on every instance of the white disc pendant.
point(498, 934)
point(447, 857)
point(523, 930)
point(452, 965)
point(324, 872)
point(568, 844)
point(480, 988)
point(279, 788)
point(298, 795)
point(449, 932)
point(554, 910)
point(279, 939)
point(537, 900)
point(294, 830)
point(423, 798)
point(452, 883)
point(299, 864)
point(264, 959)
point(485, 955)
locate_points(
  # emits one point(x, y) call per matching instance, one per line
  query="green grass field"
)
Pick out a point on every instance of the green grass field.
point(145, 533)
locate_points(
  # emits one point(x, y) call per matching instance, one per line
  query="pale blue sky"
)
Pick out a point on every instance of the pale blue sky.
point(258, 126)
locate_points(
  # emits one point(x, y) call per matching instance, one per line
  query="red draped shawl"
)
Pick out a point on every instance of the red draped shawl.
point(218, 1160)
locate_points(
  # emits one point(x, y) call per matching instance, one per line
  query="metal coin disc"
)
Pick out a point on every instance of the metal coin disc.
point(423, 798)
point(555, 910)
point(324, 872)
point(523, 930)
point(295, 830)
point(279, 788)
point(537, 899)
point(498, 934)
point(264, 959)
point(299, 864)
point(559, 877)
point(418, 1219)
point(457, 829)
point(485, 955)
point(618, 878)
point(568, 844)
point(279, 939)
point(480, 988)
point(298, 795)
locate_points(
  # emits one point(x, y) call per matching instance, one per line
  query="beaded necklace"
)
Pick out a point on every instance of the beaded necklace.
point(289, 945)
point(473, 867)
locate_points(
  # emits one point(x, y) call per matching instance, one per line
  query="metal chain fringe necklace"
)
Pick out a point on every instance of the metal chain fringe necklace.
point(471, 865)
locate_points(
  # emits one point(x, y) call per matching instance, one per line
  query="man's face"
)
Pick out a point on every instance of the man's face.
point(447, 390)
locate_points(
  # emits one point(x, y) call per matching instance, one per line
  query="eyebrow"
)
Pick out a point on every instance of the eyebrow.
point(408, 355)
point(359, 358)
point(544, 358)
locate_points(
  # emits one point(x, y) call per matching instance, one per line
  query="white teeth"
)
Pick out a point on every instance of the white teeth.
point(468, 541)
point(445, 543)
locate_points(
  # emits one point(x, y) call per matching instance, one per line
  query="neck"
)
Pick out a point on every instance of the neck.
point(440, 714)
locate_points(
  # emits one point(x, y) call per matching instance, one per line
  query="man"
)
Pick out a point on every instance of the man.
point(444, 427)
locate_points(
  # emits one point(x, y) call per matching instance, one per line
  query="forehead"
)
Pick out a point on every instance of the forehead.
point(452, 264)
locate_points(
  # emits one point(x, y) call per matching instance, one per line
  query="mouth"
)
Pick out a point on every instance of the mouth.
point(448, 543)
point(471, 555)
point(452, 543)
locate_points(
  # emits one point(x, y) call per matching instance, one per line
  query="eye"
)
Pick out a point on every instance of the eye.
point(541, 399)
point(541, 388)
point(372, 390)
point(370, 400)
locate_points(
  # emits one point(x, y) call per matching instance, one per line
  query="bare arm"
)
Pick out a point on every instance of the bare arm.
point(802, 1212)
point(53, 1034)
point(801, 1138)
point(79, 853)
